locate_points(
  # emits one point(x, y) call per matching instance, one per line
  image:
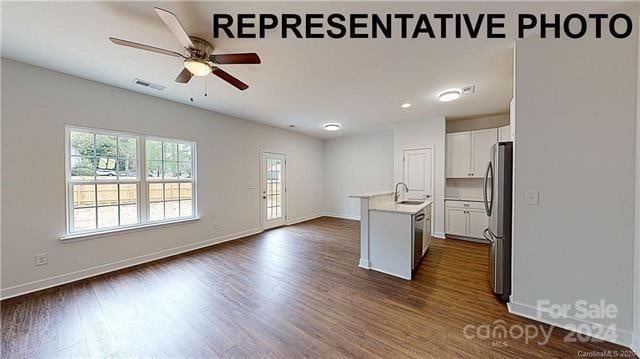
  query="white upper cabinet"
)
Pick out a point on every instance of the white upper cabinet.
point(481, 142)
point(504, 133)
point(468, 152)
point(458, 154)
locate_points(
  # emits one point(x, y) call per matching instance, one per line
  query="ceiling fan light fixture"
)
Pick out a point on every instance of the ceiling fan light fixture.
point(197, 67)
point(450, 95)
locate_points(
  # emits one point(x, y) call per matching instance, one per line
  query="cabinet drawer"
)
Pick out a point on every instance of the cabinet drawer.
point(464, 204)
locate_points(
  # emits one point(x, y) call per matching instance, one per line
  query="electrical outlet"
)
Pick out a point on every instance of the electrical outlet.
point(531, 197)
point(216, 226)
point(41, 259)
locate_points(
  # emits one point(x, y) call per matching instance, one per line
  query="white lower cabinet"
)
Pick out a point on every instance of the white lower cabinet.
point(467, 219)
point(477, 222)
point(456, 221)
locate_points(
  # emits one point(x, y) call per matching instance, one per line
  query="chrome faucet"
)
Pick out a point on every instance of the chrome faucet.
point(397, 195)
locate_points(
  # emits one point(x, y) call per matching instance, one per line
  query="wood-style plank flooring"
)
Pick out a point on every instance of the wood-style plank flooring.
point(290, 292)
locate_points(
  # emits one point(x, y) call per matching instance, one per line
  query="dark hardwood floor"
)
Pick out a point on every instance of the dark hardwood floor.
point(290, 292)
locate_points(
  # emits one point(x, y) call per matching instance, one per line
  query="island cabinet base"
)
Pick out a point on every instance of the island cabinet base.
point(390, 243)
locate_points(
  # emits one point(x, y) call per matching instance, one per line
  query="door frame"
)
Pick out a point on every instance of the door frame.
point(262, 188)
point(433, 177)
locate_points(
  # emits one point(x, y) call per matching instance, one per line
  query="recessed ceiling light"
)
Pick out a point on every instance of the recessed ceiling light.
point(292, 126)
point(406, 105)
point(332, 126)
point(449, 95)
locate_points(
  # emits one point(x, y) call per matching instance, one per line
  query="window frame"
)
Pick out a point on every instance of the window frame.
point(148, 181)
point(141, 181)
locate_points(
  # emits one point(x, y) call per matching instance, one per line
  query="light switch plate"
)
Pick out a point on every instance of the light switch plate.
point(531, 197)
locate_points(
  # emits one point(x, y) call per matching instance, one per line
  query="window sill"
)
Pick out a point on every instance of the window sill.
point(112, 232)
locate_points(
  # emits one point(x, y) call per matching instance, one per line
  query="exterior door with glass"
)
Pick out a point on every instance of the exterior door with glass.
point(273, 190)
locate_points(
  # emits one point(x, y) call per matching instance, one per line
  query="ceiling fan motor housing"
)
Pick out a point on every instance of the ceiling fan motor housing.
point(201, 48)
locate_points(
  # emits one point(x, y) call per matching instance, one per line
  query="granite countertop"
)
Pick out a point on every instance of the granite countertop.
point(390, 206)
point(370, 194)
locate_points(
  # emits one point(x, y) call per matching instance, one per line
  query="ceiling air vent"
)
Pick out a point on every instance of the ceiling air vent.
point(469, 89)
point(148, 84)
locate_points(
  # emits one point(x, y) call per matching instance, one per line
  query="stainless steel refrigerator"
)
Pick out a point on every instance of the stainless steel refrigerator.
point(498, 182)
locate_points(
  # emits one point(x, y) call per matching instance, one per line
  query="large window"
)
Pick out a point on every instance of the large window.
point(106, 190)
point(169, 179)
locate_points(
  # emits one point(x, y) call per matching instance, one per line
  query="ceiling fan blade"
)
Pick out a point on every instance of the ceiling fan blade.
point(230, 79)
point(136, 45)
point(184, 76)
point(242, 58)
point(175, 27)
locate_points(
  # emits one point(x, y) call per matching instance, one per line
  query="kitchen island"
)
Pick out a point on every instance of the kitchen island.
point(393, 236)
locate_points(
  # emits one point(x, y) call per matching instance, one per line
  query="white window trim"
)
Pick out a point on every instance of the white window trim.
point(141, 181)
point(146, 181)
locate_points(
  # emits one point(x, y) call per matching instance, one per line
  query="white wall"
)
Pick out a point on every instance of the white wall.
point(421, 134)
point(575, 140)
point(636, 281)
point(37, 103)
point(356, 164)
point(373, 161)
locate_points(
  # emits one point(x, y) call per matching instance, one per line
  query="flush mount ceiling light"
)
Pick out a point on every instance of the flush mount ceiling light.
point(450, 95)
point(332, 126)
point(406, 105)
point(197, 67)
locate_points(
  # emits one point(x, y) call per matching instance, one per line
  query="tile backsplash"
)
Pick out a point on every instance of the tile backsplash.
point(464, 188)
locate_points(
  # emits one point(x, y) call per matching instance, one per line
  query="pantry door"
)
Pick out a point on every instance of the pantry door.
point(274, 190)
point(418, 173)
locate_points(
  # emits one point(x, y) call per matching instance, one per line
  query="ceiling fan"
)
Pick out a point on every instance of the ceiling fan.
point(199, 53)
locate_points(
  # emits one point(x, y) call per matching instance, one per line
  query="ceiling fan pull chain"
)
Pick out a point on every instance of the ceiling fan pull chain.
point(191, 89)
point(205, 87)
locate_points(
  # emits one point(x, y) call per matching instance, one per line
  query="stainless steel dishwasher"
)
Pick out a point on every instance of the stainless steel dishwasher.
point(417, 238)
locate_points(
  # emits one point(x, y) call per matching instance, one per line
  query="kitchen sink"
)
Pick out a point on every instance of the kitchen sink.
point(411, 202)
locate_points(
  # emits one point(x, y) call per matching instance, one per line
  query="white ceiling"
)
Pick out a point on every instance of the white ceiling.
point(360, 83)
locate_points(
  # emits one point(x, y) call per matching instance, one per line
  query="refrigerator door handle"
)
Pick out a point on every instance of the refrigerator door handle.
point(488, 206)
point(486, 235)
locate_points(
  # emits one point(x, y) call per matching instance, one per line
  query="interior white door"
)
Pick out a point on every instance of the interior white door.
point(417, 173)
point(274, 190)
point(458, 155)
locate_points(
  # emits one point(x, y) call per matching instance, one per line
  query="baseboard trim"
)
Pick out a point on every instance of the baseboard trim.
point(61, 279)
point(528, 311)
point(304, 219)
point(336, 215)
point(467, 239)
point(364, 263)
point(390, 273)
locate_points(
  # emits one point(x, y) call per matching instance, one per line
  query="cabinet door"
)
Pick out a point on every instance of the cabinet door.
point(504, 133)
point(458, 155)
point(478, 221)
point(456, 221)
point(481, 142)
